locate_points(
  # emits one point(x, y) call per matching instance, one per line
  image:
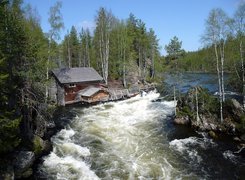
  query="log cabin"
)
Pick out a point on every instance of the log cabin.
point(79, 85)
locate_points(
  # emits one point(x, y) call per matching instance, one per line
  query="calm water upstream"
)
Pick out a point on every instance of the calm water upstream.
point(135, 139)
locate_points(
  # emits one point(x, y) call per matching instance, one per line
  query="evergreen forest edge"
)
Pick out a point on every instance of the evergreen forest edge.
point(116, 49)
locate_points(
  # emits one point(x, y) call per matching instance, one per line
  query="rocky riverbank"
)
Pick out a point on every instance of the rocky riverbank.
point(200, 110)
point(37, 130)
point(19, 164)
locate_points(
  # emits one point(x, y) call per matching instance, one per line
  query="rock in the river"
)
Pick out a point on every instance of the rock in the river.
point(208, 112)
point(212, 134)
point(182, 120)
point(243, 137)
point(24, 160)
point(233, 109)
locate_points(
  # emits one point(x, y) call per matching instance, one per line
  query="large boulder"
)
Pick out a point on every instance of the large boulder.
point(234, 109)
point(184, 120)
point(7, 173)
point(23, 162)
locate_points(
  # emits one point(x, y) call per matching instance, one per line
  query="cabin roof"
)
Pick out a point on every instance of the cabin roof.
point(89, 91)
point(76, 75)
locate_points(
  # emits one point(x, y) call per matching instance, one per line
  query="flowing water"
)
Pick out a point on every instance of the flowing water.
point(136, 139)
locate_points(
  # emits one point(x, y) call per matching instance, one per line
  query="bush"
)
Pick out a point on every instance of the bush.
point(9, 134)
point(241, 126)
point(37, 145)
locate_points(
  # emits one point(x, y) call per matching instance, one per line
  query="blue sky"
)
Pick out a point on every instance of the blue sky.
point(182, 18)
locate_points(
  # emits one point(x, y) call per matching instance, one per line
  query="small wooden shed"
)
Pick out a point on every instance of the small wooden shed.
point(82, 84)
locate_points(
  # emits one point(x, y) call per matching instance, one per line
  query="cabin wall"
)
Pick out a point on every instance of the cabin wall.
point(60, 95)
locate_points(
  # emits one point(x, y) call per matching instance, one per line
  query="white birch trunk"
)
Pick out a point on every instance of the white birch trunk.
point(152, 64)
point(175, 112)
point(69, 52)
point(47, 70)
point(219, 80)
point(243, 73)
point(139, 68)
point(124, 67)
point(222, 58)
point(197, 109)
point(107, 57)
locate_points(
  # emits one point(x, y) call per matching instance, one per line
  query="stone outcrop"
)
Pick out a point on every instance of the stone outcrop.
point(23, 163)
point(200, 110)
point(35, 143)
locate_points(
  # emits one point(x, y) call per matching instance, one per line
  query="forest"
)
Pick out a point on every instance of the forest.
point(117, 49)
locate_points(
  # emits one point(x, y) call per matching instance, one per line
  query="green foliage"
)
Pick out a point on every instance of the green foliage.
point(174, 50)
point(37, 145)
point(23, 55)
point(185, 111)
point(204, 60)
point(9, 132)
point(241, 125)
point(132, 49)
point(207, 102)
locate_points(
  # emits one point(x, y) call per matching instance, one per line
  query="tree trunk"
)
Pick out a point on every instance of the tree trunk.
point(69, 53)
point(107, 57)
point(124, 68)
point(222, 56)
point(219, 80)
point(152, 64)
point(79, 59)
point(139, 63)
point(243, 73)
point(175, 113)
point(197, 109)
point(47, 71)
point(87, 53)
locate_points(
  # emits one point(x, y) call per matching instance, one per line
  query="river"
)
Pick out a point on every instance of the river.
point(136, 139)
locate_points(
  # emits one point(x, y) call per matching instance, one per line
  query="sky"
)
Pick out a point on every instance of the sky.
point(168, 18)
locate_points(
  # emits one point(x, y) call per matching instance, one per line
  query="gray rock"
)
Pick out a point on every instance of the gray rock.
point(23, 161)
point(182, 120)
point(27, 173)
point(243, 137)
point(212, 134)
point(7, 174)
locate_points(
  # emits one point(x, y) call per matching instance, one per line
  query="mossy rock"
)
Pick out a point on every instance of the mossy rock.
point(212, 134)
point(38, 145)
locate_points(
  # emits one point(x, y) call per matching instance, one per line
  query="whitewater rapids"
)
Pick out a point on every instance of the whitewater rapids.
point(124, 140)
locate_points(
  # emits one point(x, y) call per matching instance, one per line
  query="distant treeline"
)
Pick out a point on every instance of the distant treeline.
point(203, 60)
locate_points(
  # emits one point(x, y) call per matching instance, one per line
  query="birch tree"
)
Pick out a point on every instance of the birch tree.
point(102, 33)
point(153, 51)
point(216, 33)
point(123, 50)
point(85, 39)
point(239, 24)
point(56, 23)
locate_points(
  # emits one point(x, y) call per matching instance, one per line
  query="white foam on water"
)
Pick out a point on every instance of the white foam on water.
point(189, 145)
point(229, 155)
point(118, 138)
point(67, 167)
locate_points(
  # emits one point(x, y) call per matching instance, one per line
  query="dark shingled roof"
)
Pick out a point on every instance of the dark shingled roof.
point(76, 75)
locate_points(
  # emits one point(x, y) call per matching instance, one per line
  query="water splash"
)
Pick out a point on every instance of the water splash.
point(125, 140)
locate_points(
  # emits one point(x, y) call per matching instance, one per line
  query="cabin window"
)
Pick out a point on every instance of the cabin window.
point(72, 85)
